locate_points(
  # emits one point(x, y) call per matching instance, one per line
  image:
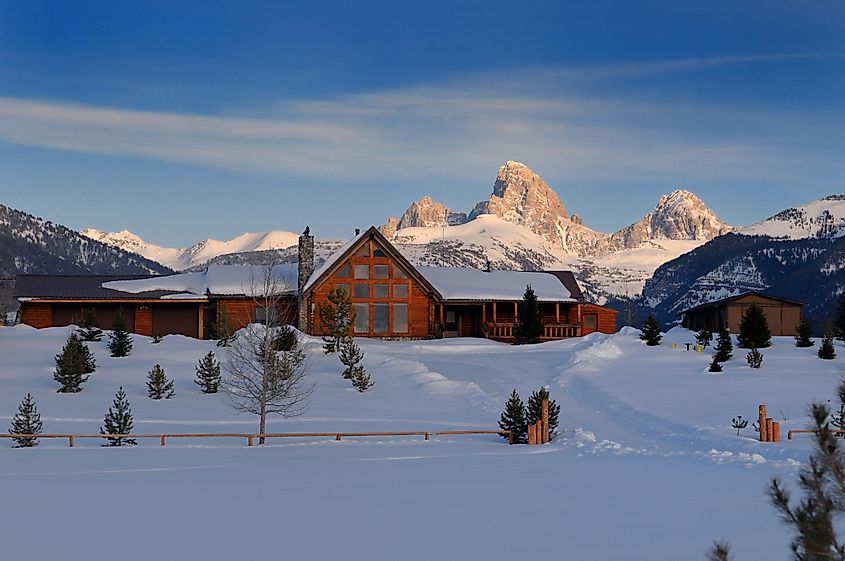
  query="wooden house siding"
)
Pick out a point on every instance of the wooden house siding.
point(36, 314)
point(240, 312)
point(605, 319)
point(144, 320)
point(783, 316)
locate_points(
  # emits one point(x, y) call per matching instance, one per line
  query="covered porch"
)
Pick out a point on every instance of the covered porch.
point(496, 320)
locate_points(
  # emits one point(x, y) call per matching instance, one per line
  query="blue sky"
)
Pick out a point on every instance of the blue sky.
point(186, 120)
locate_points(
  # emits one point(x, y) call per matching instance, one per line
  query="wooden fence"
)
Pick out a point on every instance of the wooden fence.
point(769, 430)
point(250, 437)
point(813, 431)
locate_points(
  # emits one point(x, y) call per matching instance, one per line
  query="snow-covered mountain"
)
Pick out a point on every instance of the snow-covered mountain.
point(824, 218)
point(32, 245)
point(198, 254)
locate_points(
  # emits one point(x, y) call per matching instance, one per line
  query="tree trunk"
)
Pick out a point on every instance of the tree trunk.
point(262, 424)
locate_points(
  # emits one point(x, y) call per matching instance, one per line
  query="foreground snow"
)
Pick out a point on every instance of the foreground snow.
point(646, 456)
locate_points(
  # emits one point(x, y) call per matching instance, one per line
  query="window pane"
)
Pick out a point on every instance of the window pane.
point(590, 321)
point(378, 253)
point(263, 315)
point(342, 288)
point(400, 291)
point(380, 313)
point(381, 291)
point(343, 272)
point(399, 273)
point(381, 271)
point(400, 318)
point(364, 251)
point(362, 318)
point(362, 290)
point(362, 271)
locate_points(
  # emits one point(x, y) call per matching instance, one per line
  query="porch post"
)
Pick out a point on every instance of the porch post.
point(441, 316)
point(494, 312)
point(484, 313)
point(515, 311)
point(557, 312)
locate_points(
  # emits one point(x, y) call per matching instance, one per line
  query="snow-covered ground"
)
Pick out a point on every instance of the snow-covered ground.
point(646, 467)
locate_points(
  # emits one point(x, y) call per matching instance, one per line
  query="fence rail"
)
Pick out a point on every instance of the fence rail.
point(250, 437)
point(813, 431)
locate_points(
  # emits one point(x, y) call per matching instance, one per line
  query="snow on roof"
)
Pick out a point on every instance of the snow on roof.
point(473, 284)
point(331, 260)
point(217, 279)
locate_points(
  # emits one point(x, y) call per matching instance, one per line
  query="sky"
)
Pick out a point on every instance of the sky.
point(186, 120)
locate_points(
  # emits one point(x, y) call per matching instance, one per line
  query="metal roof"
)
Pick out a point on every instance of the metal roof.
point(80, 287)
point(729, 299)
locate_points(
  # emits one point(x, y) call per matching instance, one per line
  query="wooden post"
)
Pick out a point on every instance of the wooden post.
point(775, 431)
point(762, 422)
point(494, 312)
point(510, 438)
point(71, 440)
point(769, 430)
point(532, 435)
point(442, 321)
point(426, 436)
point(249, 440)
point(163, 439)
point(199, 327)
point(337, 437)
point(545, 422)
point(515, 311)
point(557, 312)
point(484, 313)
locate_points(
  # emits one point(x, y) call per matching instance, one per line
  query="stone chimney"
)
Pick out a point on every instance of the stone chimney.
point(306, 268)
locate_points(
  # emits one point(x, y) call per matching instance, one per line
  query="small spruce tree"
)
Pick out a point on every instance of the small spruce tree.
point(754, 330)
point(651, 332)
point(704, 337)
point(72, 365)
point(529, 324)
point(724, 347)
point(827, 351)
point(26, 421)
point(88, 330)
point(715, 366)
point(156, 339)
point(514, 419)
point(535, 409)
point(351, 357)
point(739, 423)
point(208, 374)
point(285, 339)
point(118, 421)
point(754, 358)
point(336, 319)
point(120, 343)
point(803, 335)
point(158, 386)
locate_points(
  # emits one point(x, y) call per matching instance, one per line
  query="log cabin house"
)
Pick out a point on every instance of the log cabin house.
point(783, 316)
point(392, 298)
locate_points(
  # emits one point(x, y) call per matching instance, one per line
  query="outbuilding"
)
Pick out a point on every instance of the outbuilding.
point(783, 315)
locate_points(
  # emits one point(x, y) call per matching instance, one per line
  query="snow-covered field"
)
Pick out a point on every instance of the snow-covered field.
point(646, 468)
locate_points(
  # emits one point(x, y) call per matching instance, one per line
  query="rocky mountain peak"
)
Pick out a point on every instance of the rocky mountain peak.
point(425, 213)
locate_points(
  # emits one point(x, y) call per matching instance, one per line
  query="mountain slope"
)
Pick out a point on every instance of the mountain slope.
point(31, 245)
point(824, 218)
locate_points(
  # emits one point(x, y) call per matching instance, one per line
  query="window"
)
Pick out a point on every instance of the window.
point(590, 321)
point(362, 271)
point(450, 316)
point(399, 273)
point(381, 271)
point(381, 291)
point(362, 290)
point(364, 251)
point(343, 272)
point(400, 291)
point(400, 318)
point(362, 318)
point(265, 315)
point(342, 288)
point(380, 316)
point(379, 253)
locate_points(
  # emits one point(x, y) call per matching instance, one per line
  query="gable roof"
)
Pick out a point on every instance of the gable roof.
point(462, 284)
point(216, 280)
point(84, 287)
point(728, 300)
point(336, 259)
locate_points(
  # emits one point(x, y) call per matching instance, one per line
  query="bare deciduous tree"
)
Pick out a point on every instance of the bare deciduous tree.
point(259, 379)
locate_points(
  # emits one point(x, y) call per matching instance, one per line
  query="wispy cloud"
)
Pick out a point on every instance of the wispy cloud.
point(455, 130)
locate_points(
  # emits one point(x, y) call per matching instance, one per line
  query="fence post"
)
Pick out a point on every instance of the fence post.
point(769, 430)
point(775, 431)
point(762, 422)
point(426, 436)
point(71, 440)
point(249, 440)
point(510, 438)
point(163, 439)
point(546, 437)
point(337, 437)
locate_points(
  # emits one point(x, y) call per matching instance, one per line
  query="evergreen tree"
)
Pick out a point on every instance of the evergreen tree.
point(27, 421)
point(158, 386)
point(514, 419)
point(803, 335)
point(529, 324)
point(208, 373)
point(118, 420)
point(351, 357)
point(739, 423)
point(724, 347)
point(72, 365)
point(336, 319)
point(535, 409)
point(88, 330)
point(704, 338)
point(754, 329)
point(286, 339)
point(827, 351)
point(651, 332)
point(88, 358)
point(223, 330)
point(120, 343)
point(754, 358)
point(715, 366)
point(156, 339)
point(838, 322)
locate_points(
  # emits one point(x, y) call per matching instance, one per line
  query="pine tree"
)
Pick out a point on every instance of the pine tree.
point(72, 365)
point(351, 357)
point(336, 319)
point(514, 419)
point(88, 330)
point(120, 343)
point(803, 335)
point(535, 409)
point(754, 358)
point(704, 337)
point(118, 420)
point(208, 373)
point(838, 323)
point(827, 351)
point(158, 386)
point(724, 347)
point(715, 366)
point(651, 332)
point(529, 324)
point(754, 329)
point(285, 339)
point(88, 358)
point(27, 421)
